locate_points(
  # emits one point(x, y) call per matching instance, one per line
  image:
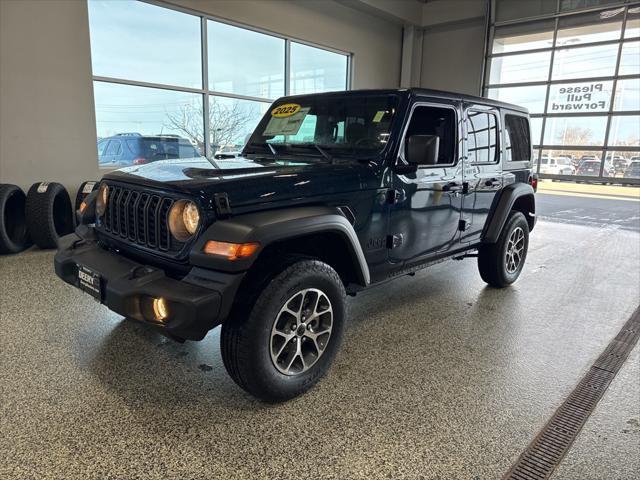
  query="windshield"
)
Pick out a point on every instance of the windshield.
point(326, 126)
point(162, 148)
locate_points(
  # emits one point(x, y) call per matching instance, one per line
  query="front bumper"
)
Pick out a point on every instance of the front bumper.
point(196, 303)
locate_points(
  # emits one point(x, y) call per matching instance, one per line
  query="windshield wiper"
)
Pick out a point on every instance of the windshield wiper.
point(270, 148)
point(323, 152)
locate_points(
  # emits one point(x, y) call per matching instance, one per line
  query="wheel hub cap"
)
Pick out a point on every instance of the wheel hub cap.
point(515, 250)
point(301, 331)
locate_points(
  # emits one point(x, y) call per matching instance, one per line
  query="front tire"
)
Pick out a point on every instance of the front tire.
point(501, 263)
point(282, 343)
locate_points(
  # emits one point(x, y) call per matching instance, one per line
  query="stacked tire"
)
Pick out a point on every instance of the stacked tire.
point(83, 192)
point(49, 213)
point(14, 235)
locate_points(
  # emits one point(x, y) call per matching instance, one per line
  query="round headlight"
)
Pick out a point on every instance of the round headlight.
point(103, 198)
point(184, 219)
point(191, 217)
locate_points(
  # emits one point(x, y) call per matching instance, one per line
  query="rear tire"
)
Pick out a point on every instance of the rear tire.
point(501, 263)
point(49, 214)
point(271, 346)
point(14, 236)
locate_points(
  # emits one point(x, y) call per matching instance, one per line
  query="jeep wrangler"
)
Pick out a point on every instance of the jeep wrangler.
point(333, 193)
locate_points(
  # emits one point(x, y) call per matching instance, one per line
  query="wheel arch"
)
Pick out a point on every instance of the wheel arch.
point(321, 232)
point(517, 196)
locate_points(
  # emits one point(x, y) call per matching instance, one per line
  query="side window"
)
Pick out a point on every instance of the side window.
point(102, 144)
point(482, 137)
point(439, 121)
point(114, 148)
point(517, 139)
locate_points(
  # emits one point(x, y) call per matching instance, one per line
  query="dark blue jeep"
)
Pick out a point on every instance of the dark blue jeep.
point(332, 194)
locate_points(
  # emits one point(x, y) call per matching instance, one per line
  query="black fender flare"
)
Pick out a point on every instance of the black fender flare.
point(502, 206)
point(271, 226)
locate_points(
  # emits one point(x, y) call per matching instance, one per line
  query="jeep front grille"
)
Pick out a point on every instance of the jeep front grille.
point(140, 218)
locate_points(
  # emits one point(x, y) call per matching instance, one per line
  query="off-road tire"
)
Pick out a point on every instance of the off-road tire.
point(81, 195)
point(246, 336)
point(49, 214)
point(492, 258)
point(14, 236)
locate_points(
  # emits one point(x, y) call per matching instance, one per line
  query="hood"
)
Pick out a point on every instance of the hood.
point(247, 181)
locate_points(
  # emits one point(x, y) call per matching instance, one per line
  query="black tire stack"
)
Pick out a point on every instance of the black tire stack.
point(14, 236)
point(83, 192)
point(42, 216)
point(49, 213)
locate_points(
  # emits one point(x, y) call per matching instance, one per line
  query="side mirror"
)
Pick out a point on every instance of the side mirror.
point(423, 149)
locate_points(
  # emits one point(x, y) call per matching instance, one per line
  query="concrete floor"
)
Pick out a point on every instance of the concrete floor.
point(439, 377)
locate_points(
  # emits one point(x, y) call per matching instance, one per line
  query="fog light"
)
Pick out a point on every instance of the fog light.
point(160, 308)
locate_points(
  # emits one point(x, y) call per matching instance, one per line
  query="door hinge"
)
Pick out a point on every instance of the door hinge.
point(394, 241)
point(223, 207)
point(464, 225)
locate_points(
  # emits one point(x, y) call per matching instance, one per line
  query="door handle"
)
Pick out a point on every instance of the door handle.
point(493, 182)
point(452, 187)
point(455, 187)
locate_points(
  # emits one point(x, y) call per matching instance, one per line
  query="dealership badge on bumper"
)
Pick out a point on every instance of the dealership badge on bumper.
point(90, 282)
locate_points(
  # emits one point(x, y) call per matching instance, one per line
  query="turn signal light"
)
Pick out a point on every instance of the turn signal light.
point(231, 251)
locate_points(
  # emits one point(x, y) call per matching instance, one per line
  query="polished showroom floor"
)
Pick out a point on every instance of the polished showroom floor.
point(439, 377)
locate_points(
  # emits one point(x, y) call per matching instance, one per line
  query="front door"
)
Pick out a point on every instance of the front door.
point(425, 205)
point(482, 171)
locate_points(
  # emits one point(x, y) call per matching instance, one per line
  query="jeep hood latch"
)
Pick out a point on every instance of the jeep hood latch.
point(223, 207)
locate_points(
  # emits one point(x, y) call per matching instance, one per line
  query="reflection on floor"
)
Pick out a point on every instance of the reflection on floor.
point(439, 377)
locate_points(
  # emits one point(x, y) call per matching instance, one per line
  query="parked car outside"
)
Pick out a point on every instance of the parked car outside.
point(226, 155)
point(591, 168)
point(126, 149)
point(556, 166)
point(620, 165)
point(633, 170)
point(572, 160)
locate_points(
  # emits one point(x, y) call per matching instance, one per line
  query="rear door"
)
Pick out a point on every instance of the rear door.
point(516, 148)
point(482, 168)
point(112, 153)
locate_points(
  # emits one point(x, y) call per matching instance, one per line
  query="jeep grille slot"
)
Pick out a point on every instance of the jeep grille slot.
point(139, 218)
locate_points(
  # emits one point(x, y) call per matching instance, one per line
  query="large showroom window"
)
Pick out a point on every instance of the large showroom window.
point(575, 64)
point(165, 78)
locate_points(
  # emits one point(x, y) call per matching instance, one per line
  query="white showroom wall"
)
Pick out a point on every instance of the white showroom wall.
point(452, 45)
point(47, 123)
point(47, 119)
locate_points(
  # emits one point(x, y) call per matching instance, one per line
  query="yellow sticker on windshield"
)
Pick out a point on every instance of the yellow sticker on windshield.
point(378, 116)
point(285, 110)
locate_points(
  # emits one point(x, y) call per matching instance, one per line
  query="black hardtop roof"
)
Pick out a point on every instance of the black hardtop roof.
point(421, 92)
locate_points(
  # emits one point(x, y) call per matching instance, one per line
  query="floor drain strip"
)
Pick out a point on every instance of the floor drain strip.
point(549, 447)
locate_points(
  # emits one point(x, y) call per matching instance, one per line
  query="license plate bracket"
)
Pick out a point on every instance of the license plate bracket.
point(90, 282)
